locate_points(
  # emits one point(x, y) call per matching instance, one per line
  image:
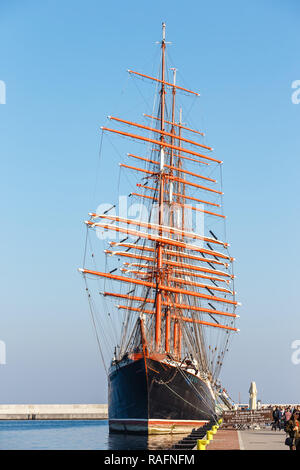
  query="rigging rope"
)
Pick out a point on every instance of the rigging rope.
point(95, 329)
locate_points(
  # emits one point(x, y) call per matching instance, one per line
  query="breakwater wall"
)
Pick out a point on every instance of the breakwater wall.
point(38, 412)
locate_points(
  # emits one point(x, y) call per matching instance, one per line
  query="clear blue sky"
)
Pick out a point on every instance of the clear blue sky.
point(64, 64)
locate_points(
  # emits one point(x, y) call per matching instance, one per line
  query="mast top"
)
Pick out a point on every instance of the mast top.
point(163, 32)
point(174, 70)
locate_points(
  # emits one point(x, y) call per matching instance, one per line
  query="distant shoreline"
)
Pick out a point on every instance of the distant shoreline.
point(54, 412)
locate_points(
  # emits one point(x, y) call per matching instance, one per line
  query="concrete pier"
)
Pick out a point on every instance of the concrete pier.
point(38, 412)
point(262, 439)
point(250, 439)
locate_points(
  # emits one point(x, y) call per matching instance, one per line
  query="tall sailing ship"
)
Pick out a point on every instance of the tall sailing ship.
point(172, 274)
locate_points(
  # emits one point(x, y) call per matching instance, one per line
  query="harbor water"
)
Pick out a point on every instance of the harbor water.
point(74, 435)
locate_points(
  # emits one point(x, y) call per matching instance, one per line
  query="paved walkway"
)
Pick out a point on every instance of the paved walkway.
point(225, 439)
point(262, 439)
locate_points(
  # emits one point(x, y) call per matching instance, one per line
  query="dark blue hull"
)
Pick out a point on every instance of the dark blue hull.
point(149, 396)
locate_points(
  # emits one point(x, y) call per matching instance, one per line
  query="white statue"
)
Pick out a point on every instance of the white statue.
point(253, 395)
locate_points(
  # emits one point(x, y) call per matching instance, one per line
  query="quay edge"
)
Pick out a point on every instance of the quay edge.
point(53, 412)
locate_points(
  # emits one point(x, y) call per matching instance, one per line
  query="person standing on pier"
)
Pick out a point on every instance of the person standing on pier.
point(287, 416)
point(276, 418)
point(281, 418)
point(293, 429)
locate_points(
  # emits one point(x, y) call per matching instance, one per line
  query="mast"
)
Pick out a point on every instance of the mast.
point(177, 330)
point(159, 273)
point(171, 212)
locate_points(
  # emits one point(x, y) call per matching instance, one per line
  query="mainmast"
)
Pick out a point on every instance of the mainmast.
point(159, 273)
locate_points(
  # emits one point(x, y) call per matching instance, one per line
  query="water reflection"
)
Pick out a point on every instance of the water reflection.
point(121, 441)
point(79, 434)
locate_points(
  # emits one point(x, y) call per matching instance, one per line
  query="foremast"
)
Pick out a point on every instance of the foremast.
point(160, 277)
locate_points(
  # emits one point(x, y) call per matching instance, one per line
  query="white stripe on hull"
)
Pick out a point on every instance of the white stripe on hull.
point(155, 426)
